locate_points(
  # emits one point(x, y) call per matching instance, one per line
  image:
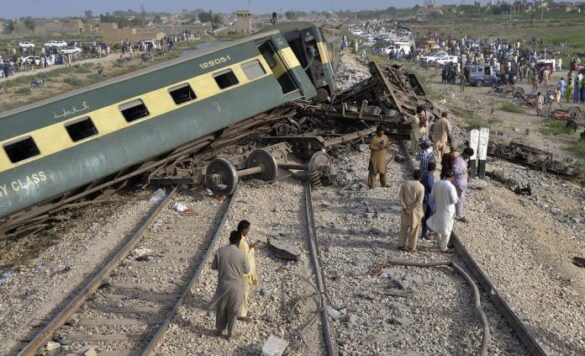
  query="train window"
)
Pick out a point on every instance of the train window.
point(182, 93)
point(81, 130)
point(253, 69)
point(134, 110)
point(21, 150)
point(226, 79)
point(268, 54)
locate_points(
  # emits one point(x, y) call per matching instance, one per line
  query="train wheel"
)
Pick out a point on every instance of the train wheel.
point(264, 160)
point(221, 177)
point(322, 95)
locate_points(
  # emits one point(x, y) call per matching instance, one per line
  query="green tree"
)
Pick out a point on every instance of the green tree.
point(157, 20)
point(216, 19)
point(30, 23)
point(88, 14)
point(291, 15)
point(206, 16)
point(9, 27)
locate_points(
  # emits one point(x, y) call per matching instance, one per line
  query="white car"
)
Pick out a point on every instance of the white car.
point(444, 59)
point(36, 60)
point(71, 50)
point(26, 44)
point(432, 57)
point(59, 44)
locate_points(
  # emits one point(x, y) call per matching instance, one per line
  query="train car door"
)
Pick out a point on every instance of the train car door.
point(279, 67)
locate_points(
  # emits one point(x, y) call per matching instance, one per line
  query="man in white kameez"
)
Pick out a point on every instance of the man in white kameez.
point(441, 222)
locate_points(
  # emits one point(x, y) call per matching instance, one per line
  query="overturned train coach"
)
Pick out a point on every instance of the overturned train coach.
point(55, 146)
point(314, 52)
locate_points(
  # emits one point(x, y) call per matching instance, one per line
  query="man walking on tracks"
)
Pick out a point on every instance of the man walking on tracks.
point(425, 155)
point(441, 222)
point(428, 181)
point(441, 135)
point(460, 180)
point(232, 265)
point(378, 162)
point(411, 197)
point(250, 278)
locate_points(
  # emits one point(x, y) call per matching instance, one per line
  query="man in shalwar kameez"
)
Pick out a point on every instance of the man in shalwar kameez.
point(250, 278)
point(378, 161)
point(411, 197)
point(420, 127)
point(460, 181)
point(441, 134)
point(232, 265)
point(441, 222)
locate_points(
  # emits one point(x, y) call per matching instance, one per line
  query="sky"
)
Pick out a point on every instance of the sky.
point(62, 8)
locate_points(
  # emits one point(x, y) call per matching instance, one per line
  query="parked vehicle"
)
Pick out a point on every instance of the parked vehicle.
point(26, 44)
point(444, 59)
point(71, 50)
point(36, 60)
point(431, 57)
point(59, 44)
point(481, 74)
point(399, 47)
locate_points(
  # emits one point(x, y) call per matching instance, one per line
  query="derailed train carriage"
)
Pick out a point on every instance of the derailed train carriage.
point(52, 148)
point(314, 52)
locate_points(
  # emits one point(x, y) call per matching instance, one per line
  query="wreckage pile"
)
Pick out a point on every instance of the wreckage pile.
point(387, 98)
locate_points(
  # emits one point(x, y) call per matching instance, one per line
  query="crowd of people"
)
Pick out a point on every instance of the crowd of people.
point(28, 59)
point(429, 207)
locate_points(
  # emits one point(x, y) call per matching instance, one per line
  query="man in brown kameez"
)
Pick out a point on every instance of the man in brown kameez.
point(232, 265)
point(378, 162)
point(411, 197)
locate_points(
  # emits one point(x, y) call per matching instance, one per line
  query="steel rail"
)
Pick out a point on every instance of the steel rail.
point(64, 314)
point(327, 334)
point(163, 328)
point(526, 337)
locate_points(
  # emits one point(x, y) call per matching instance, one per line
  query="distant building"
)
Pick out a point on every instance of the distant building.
point(112, 34)
point(61, 27)
point(243, 22)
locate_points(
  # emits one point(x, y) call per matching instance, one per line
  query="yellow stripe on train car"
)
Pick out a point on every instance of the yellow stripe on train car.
point(54, 138)
point(324, 52)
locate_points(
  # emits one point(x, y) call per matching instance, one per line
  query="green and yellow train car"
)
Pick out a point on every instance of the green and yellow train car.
point(54, 146)
point(311, 49)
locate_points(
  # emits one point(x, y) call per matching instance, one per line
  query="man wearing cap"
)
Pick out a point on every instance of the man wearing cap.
point(445, 198)
point(377, 165)
point(441, 135)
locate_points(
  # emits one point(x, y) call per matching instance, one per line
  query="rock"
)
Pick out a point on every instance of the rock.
point(88, 351)
point(283, 250)
point(349, 318)
point(264, 292)
point(399, 158)
point(274, 346)
point(333, 313)
point(377, 231)
point(142, 254)
point(52, 345)
point(268, 318)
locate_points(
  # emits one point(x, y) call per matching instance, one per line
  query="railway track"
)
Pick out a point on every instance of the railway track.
point(525, 336)
point(123, 318)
